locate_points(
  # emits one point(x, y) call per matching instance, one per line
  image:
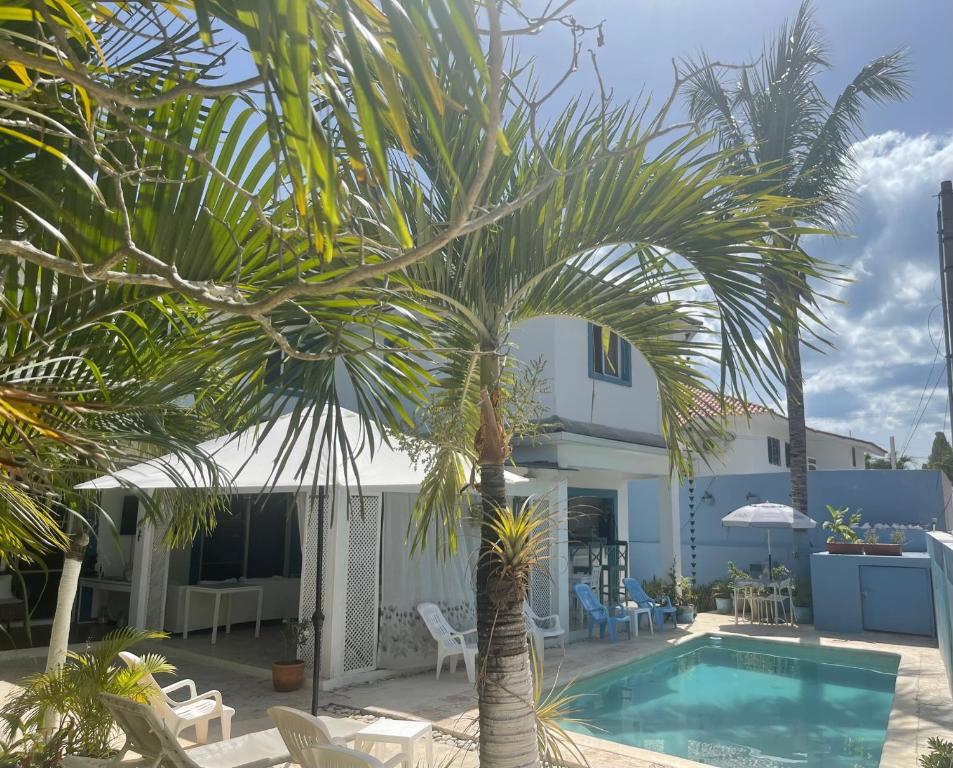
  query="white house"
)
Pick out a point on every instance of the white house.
point(758, 441)
point(601, 433)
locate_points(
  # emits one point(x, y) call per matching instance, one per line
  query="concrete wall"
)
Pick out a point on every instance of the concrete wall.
point(940, 548)
point(563, 344)
point(884, 497)
point(853, 593)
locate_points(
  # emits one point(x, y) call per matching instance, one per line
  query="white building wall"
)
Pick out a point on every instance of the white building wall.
point(747, 452)
point(833, 452)
point(563, 343)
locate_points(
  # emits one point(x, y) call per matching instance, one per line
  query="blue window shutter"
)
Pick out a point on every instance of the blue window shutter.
point(626, 361)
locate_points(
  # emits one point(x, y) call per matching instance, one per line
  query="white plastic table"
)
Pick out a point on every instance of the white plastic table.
point(404, 733)
point(218, 592)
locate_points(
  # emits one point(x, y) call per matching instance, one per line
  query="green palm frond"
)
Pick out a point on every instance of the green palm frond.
point(71, 693)
point(619, 245)
point(778, 118)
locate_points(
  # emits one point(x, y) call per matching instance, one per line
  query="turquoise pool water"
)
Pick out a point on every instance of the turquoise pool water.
point(733, 702)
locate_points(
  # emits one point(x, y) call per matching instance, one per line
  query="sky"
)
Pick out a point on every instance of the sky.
point(884, 373)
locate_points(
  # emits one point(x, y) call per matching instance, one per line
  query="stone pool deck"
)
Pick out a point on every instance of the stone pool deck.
point(922, 708)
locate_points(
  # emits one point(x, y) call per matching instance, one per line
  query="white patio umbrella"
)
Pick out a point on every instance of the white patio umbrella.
point(768, 515)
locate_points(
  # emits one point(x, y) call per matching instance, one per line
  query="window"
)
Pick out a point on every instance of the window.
point(811, 462)
point(774, 451)
point(853, 455)
point(609, 360)
point(787, 455)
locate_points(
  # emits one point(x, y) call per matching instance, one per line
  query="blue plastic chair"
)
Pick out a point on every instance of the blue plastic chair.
point(597, 613)
point(659, 610)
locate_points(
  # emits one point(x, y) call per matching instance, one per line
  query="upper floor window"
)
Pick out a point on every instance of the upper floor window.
point(610, 358)
point(774, 451)
point(811, 462)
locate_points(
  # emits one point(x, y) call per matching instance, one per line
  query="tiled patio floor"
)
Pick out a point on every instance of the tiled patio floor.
point(923, 706)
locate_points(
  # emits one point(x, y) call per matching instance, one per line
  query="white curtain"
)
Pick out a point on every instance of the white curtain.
point(404, 641)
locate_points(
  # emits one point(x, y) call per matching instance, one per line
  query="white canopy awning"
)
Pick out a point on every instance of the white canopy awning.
point(249, 462)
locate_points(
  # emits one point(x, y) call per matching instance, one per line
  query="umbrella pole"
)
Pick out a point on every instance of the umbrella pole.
point(769, 554)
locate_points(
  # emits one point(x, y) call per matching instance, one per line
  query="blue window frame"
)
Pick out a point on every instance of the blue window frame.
point(609, 362)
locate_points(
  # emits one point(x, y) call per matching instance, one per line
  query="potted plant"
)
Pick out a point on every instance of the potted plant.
point(843, 539)
point(873, 547)
point(734, 575)
point(683, 597)
point(803, 606)
point(722, 594)
point(288, 674)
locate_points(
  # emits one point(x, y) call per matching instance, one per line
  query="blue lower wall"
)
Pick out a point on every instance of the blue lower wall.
point(912, 499)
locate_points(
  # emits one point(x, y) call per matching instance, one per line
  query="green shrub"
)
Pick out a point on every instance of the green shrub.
point(941, 754)
point(69, 698)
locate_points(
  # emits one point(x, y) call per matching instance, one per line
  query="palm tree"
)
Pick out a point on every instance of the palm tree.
point(97, 375)
point(777, 118)
point(601, 247)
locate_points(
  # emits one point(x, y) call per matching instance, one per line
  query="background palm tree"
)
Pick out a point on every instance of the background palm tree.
point(778, 120)
point(601, 247)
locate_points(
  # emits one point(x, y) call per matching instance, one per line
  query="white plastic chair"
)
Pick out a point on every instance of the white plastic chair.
point(329, 756)
point(772, 605)
point(301, 729)
point(196, 711)
point(545, 627)
point(450, 642)
point(148, 736)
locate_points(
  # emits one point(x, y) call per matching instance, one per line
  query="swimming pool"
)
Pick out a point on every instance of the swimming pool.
point(733, 702)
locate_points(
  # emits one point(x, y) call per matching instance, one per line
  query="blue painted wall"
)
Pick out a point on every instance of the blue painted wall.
point(888, 497)
point(940, 548)
point(898, 598)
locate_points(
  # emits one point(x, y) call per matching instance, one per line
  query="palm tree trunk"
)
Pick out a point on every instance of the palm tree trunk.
point(797, 427)
point(65, 597)
point(505, 685)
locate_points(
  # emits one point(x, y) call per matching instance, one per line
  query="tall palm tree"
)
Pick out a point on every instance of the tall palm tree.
point(776, 117)
point(615, 247)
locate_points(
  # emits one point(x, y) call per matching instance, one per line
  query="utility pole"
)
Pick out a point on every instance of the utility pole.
point(944, 222)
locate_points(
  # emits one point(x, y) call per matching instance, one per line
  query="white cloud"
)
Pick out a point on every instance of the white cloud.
point(885, 366)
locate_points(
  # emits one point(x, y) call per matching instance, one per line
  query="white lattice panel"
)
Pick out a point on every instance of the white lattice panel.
point(363, 581)
point(541, 585)
point(309, 560)
point(158, 579)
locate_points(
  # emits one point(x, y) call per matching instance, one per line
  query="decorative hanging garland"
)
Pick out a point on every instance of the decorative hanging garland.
point(691, 522)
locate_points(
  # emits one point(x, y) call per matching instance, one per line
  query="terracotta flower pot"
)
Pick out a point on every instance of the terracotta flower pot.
point(894, 550)
point(845, 548)
point(287, 675)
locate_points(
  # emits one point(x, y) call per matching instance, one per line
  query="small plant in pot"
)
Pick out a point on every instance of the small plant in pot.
point(722, 594)
point(843, 539)
point(288, 674)
point(873, 547)
point(683, 596)
point(803, 605)
point(735, 574)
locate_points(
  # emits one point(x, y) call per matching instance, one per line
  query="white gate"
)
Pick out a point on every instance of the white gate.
point(363, 583)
